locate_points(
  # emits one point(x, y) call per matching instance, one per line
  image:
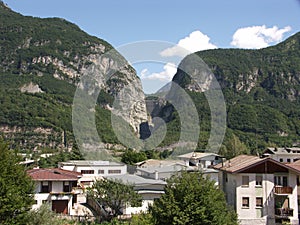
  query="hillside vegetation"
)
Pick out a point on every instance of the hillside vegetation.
point(261, 90)
point(40, 66)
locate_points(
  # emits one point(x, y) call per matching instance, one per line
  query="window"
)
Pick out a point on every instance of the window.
point(258, 181)
point(284, 181)
point(87, 171)
point(46, 186)
point(281, 160)
point(245, 202)
point(100, 171)
point(277, 180)
point(288, 160)
point(281, 181)
point(114, 171)
point(35, 202)
point(66, 186)
point(259, 202)
point(245, 181)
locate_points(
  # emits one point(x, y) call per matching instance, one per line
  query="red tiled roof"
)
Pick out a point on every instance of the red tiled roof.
point(53, 174)
point(243, 162)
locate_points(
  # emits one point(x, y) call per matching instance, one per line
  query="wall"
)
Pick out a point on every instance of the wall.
point(265, 191)
point(96, 168)
point(293, 199)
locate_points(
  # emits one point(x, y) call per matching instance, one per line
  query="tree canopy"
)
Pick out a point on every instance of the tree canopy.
point(114, 195)
point(16, 188)
point(191, 198)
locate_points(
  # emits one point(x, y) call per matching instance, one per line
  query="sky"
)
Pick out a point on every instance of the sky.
point(190, 24)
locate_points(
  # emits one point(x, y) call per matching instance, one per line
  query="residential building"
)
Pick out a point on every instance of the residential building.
point(200, 159)
point(203, 161)
point(92, 170)
point(158, 163)
point(261, 190)
point(284, 155)
point(57, 187)
point(149, 189)
point(162, 172)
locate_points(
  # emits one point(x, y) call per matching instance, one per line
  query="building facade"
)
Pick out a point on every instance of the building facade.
point(261, 190)
point(92, 170)
point(56, 187)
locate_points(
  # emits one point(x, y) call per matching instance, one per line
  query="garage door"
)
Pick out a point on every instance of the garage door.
point(60, 206)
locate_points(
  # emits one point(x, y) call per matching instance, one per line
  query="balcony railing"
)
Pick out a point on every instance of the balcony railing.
point(283, 190)
point(284, 212)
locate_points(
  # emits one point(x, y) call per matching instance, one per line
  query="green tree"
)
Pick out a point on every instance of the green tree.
point(16, 188)
point(233, 146)
point(194, 199)
point(44, 216)
point(115, 195)
point(131, 157)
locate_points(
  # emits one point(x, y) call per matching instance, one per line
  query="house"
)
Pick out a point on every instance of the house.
point(200, 159)
point(57, 187)
point(261, 190)
point(149, 189)
point(157, 163)
point(203, 161)
point(285, 155)
point(162, 172)
point(92, 170)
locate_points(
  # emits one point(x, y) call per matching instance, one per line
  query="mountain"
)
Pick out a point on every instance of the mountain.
point(42, 62)
point(262, 94)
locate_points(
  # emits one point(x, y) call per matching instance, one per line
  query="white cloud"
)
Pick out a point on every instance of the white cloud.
point(258, 36)
point(196, 41)
point(166, 75)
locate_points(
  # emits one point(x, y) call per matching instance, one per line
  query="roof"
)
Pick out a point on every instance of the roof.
point(282, 151)
point(244, 162)
point(295, 165)
point(136, 180)
point(90, 163)
point(166, 169)
point(53, 174)
point(196, 155)
point(157, 163)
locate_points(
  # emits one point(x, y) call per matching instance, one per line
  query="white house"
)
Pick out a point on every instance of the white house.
point(92, 170)
point(158, 163)
point(57, 187)
point(162, 172)
point(200, 159)
point(285, 155)
point(149, 189)
point(261, 190)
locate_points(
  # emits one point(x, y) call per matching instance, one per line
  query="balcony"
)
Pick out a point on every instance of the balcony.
point(283, 212)
point(283, 190)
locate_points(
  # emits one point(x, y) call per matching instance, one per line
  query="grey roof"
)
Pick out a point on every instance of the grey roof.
point(136, 180)
point(91, 163)
point(282, 151)
point(164, 169)
point(157, 163)
point(196, 155)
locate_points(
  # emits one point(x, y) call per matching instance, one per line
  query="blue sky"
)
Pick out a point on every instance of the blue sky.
point(199, 24)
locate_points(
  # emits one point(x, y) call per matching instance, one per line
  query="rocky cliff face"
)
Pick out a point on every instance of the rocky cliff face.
point(45, 59)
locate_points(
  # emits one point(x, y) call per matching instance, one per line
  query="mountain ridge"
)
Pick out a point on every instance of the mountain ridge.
point(42, 62)
point(261, 89)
